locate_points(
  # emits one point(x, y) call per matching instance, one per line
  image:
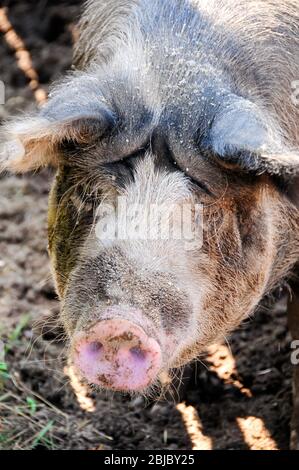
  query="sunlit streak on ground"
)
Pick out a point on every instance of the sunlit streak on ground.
point(253, 429)
point(223, 363)
point(255, 434)
point(194, 428)
point(80, 390)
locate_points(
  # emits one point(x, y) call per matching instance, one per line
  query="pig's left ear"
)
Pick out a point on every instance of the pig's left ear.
point(243, 136)
point(76, 112)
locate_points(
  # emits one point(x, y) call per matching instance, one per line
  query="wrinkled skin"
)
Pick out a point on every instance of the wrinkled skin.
point(185, 107)
point(204, 297)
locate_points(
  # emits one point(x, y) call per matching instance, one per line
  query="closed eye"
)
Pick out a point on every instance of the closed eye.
point(128, 160)
point(198, 183)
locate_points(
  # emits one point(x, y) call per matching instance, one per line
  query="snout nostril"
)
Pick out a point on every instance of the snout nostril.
point(137, 353)
point(95, 347)
point(116, 354)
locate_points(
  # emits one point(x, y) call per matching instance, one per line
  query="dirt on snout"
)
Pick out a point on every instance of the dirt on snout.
point(240, 396)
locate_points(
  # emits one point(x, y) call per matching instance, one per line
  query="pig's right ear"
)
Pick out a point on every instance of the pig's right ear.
point(244, 136)
point(33, 142)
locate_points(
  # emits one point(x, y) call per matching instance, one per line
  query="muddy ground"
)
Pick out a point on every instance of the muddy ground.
point(237, 400)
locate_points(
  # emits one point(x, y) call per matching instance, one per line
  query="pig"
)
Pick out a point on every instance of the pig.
point(169, 104)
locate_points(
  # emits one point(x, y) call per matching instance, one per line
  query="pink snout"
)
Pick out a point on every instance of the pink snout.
point(118, 355)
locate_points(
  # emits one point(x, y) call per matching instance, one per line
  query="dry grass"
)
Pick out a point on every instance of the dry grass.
point(27, 420)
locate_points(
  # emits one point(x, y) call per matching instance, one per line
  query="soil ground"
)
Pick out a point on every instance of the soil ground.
point(237, 399)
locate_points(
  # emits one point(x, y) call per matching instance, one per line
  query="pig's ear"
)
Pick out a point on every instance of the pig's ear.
point(71, 114)
point(244, 136)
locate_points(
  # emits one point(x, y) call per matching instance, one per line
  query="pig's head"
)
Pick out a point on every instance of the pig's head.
point(135, 305)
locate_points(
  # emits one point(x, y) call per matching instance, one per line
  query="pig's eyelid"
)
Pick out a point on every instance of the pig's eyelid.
point(200, 185)
point(194, 181)
point(127, 159)
point(135, 153)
